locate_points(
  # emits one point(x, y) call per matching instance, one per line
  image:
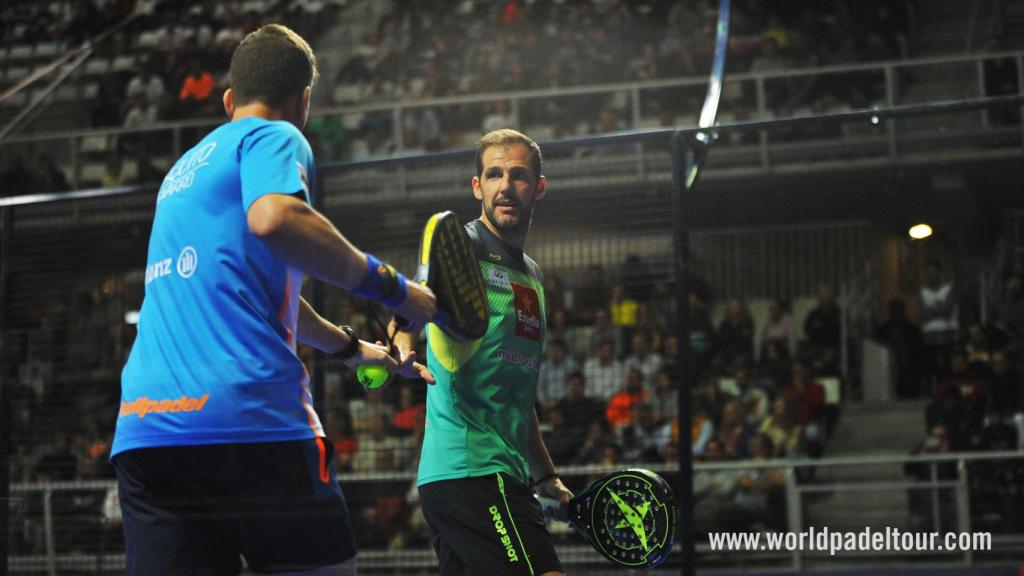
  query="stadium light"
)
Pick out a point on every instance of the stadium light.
point(920, 231)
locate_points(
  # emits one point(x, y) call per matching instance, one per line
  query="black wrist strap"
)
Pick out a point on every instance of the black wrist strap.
point(544, 479)
point(352, 348)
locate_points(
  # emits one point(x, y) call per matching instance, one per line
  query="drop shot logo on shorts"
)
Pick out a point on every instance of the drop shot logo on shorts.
point(506, 539)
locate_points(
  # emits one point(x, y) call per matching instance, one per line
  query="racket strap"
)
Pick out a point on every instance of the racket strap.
point(382, 283)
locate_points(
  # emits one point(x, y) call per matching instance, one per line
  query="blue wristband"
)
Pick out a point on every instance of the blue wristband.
point(382, 283)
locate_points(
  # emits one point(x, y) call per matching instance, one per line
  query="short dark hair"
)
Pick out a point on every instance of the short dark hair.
point(504, 137)
point(271, 65)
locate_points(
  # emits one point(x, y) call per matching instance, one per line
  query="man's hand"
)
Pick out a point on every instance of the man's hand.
point(553, 489)
point(407, 366)
point(419, 307)
point(372, 354)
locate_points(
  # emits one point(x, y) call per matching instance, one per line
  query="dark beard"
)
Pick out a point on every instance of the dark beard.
point(520, 225)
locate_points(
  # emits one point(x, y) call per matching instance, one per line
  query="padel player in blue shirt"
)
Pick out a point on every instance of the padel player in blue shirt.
point(218, 451)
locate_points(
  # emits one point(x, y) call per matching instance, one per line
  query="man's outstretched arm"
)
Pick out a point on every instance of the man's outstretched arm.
point(307, 240)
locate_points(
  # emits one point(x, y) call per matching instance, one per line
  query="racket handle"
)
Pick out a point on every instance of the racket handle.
point(553, 509)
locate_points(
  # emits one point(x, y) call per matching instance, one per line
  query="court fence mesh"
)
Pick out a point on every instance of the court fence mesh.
point(768, 226)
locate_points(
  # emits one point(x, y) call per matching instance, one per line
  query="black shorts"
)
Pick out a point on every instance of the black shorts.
point(487, 525)
point(194, 509)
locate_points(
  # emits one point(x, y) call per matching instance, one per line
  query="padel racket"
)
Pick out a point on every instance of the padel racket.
point(628, 516)
point(448, 266)
point(702, 140)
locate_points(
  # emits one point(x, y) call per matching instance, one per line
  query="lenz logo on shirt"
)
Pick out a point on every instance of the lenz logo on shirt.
point(527, 312)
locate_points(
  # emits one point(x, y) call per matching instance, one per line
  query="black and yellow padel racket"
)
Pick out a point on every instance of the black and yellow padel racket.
point(448, 266)
point(628, 516)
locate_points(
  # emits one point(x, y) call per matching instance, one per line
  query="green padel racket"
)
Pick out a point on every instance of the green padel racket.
point(628, 516)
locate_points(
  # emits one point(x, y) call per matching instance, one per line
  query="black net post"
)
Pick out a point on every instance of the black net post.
point(682, 163)
point(7, 217)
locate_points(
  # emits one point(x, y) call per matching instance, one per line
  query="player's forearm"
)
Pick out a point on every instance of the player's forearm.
point(316, 331)
point(305, 239)
point(537, 455)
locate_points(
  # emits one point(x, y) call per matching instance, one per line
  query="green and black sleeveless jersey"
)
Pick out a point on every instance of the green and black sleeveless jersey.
point(480, 411)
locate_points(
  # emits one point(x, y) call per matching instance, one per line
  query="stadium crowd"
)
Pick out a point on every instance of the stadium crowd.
point(171, 64)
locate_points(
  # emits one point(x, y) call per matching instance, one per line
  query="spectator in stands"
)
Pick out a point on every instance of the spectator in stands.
point(579, 408)
point(196, 88)
point(371, 406)
point(702, 429)
point(554, 373)
point(714, 492)
point(339, 430)
point(903, 339)
point(330, 135)
point(170, 39)
point(665, 397)
point(662, 307)
point(711, 396)
point(620, 407)
point(114, 172)
point(783, 428)
point(643, 439)
point(823, 328)
point(423, 129)
point(647, 66)
point(960, 404)
point(604, 373)
point(702, 335)
point(229, 34)
point(141, 112)
point(197, 32)
point(500, 117)
point(761, 490)
point(753, 399)
point(1007, 389)
point(806, 395)
point(591, 295)
point(146, 85)
point(409, 415)
point(643, 358)
point(995, 490)
point(15, 176)
point(735, 338)
point(937, 310)
point(379, 449)
point(733, 434)
point(778, 330)
point(562, 441)
point(920, 501)
point(594, 443)
point(1011, 309)
point(977, 348)
point(47, 176)
point(773, 369)
point(622, 308)
point(670, 353)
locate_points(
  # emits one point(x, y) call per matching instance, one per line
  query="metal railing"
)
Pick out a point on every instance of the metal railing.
point(574, 552)
point(760, 90)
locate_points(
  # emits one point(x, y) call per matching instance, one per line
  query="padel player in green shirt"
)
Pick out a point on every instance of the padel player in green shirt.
point(483, 455)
